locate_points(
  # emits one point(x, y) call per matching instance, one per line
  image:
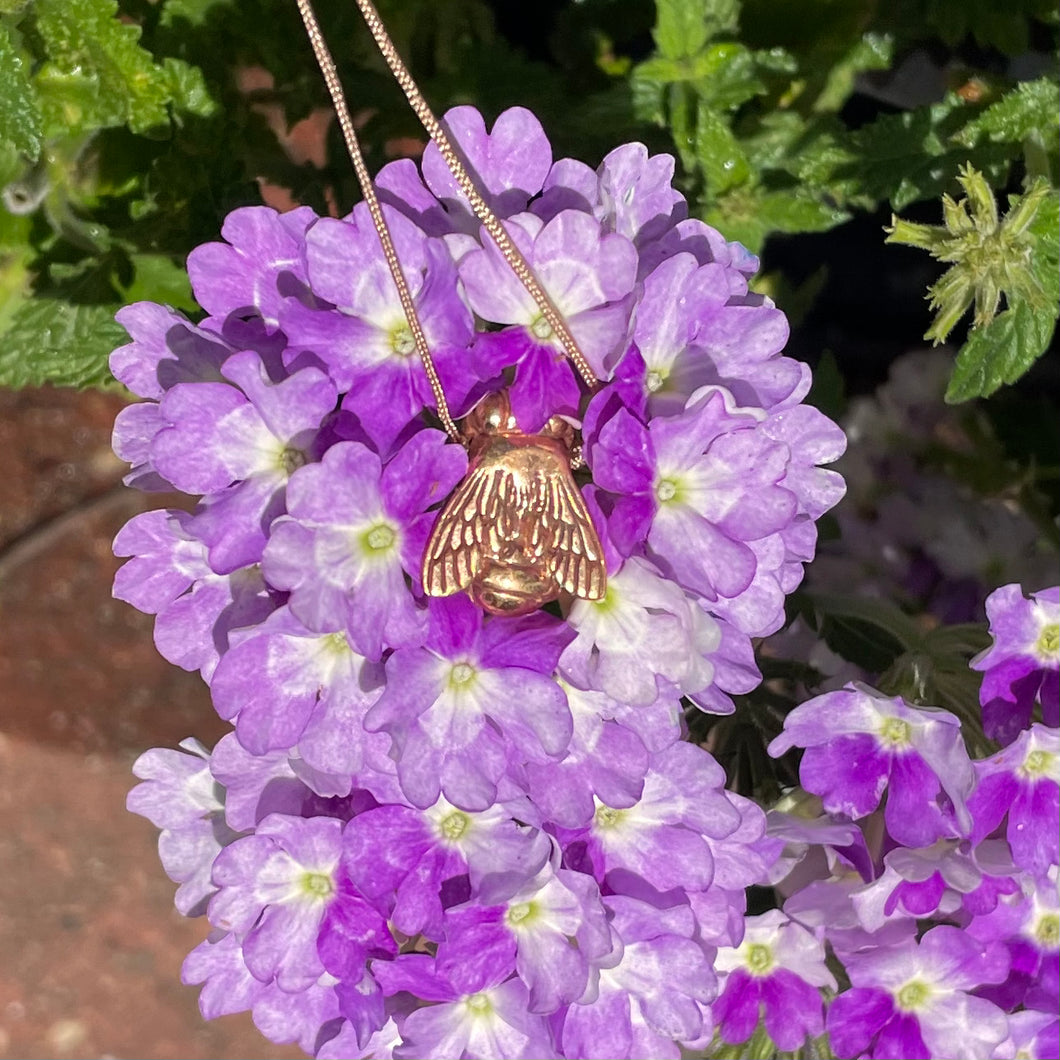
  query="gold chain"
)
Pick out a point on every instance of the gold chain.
point(507, 247)
point(331, 79)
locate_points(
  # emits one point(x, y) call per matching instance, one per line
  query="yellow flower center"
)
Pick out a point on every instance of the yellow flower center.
point(379, 538)
point(1047, 931)
point(541, 329)
point(759, 959)
point(521, 914)
point(913, 995)
point(668, 490)
point(402, 341)
point(454, 825)
point(607, 817)
point(317, 885)
point(479, 1004)
point(461, 675)
point(894, 732)
point(1049, 642)
point(291, 460)
point(1037, 764)
point(654, 380)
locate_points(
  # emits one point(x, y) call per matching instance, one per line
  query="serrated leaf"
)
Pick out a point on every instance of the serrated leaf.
point(20, 120)
point(54, 341)
point(1000, 352)
point(683, 27)
point(96, 75)
point(722, 162)
point(187, 89)
point(750, 216)
point(1029, 109)
point(901, 157)
point(725, 75)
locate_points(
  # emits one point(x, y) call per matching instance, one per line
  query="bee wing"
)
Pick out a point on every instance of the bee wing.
point(576, 557)
point(454, 551)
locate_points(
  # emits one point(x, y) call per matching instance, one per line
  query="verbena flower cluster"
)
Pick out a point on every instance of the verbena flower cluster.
point(434, 832)
point(438, 833)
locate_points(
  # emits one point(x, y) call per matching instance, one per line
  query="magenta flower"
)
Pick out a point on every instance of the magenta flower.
point(353, 530)
point(915, 1000)
point(1022, 667)
point(860, 744)
point(475, 695)
point(1020, 785)
point(779, 970)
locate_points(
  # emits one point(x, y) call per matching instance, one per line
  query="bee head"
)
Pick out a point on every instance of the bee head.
point(492, 415)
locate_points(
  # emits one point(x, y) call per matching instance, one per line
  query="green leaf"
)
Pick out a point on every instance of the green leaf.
point(1001, 352)
point(54, 341)
point(873, 51)
point(192, 12)
point(870, 633)
point(20, 121)
point(158, 278)
point(750, 215)
point(1030, 109)
point(901, 157)
point(683, 27)
point(96, 74)
point(722, 162)
point(187, 89)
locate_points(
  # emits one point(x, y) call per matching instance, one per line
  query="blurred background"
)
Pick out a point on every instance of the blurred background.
point(128, 131)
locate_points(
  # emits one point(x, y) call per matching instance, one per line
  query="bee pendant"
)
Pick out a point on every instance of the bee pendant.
point(516, 532)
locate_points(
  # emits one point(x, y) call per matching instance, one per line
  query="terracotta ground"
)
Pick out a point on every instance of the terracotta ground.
point(90, 946)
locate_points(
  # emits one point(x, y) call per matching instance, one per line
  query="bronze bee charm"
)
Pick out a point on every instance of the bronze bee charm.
point(516, 532)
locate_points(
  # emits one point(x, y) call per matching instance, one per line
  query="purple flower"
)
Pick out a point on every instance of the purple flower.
point(365, 341)
point(605, 762)
point(937, 881)
point(287, 686)
point(508, 164)
point(552, 930)
point(179, 796)
point(353, 530)
point(914, 1000)
point(275, 887)
point(588, 273)
point(636, 197)
point(704, 487)
point(474, 1010)
point(660, 839)
point(245, 440)
point(475, 694)
point(407, 861)
point(651, 992)
point(1022, 667)
point(1027, 924)
point(169, 576)
point(859, 744)
point(1022, 783)
point(779, 967)
point(260, 264)
point(1030, 1034)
